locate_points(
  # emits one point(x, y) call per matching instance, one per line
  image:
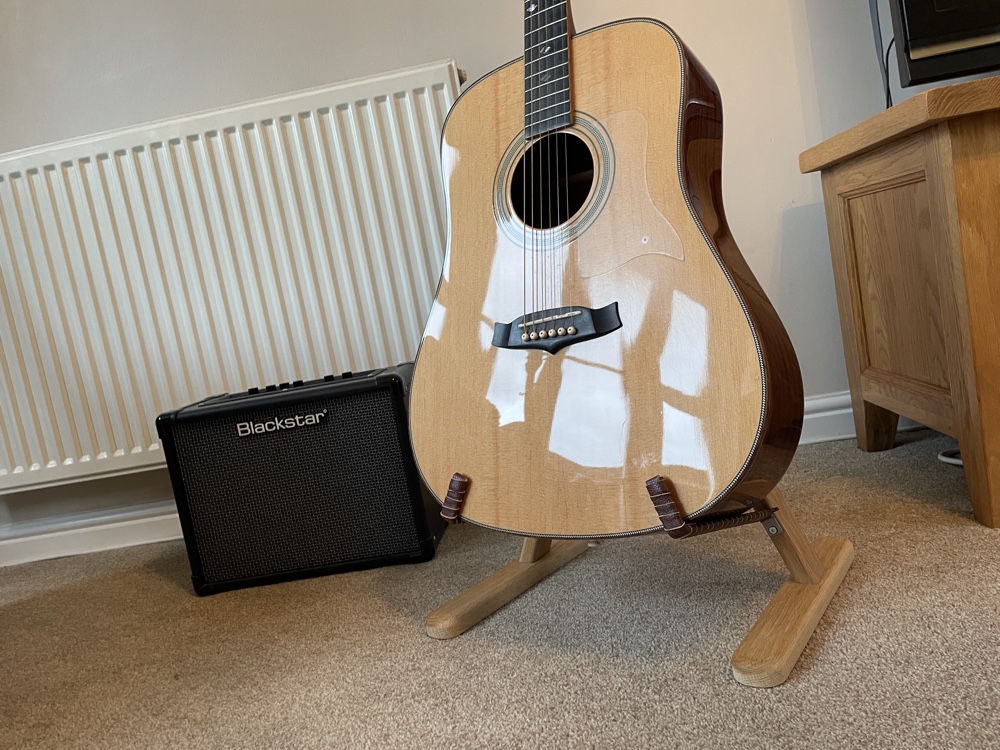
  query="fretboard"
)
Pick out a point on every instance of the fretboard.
point(547, 104)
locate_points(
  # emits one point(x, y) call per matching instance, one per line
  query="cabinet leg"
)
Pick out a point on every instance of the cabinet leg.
point(876, 427)
point(983, 487)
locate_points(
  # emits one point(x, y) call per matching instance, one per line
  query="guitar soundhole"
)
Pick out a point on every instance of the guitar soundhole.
point(552, 180)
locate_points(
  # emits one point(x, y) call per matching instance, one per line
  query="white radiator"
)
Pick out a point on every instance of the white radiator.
point(147, 268)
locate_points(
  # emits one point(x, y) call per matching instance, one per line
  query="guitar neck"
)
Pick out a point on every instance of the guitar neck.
point(547, 99)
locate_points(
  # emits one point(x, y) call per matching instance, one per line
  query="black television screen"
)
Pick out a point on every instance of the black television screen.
point(938, 39)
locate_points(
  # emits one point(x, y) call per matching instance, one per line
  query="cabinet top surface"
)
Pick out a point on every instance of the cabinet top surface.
point(920, 111)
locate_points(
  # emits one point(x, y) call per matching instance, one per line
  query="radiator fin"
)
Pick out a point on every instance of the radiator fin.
point(145, 269)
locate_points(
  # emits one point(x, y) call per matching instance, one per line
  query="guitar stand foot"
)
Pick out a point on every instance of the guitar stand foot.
point(539, 558)
point(770, 650)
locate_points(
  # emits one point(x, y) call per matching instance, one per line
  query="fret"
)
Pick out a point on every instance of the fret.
point(544, 99)
point(541, 43)
point(539, 111)
point(545, 10)
point(536, 29)
point(542, 24)
point(535, 39)
point(554, 70)
point(549, 119)
point(544, 126)
point(547, 83)
point(548, 50)
point(539, 59)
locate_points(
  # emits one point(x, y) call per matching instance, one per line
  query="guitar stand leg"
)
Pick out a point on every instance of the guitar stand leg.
point(539, 558)
point(769, 651)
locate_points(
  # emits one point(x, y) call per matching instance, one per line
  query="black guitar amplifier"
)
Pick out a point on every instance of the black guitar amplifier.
point(299, 479)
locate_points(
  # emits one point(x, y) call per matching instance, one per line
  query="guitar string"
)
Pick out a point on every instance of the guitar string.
point(540, 184)
point(555, 251)
point(531, 181)
point(560, 237)
point(546, 251)
point(524, 199)
point(547, 195)
point(563, 173)
point(569, 109)
point(564, 234)
point(525, 162)
point(538, 237)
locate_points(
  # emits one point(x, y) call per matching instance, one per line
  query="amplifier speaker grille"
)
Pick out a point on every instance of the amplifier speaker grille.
point(340, 492)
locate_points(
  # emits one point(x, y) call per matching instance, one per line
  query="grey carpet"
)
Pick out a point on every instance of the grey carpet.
point(628, 646)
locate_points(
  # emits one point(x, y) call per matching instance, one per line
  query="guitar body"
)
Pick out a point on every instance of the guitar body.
point(699, 384)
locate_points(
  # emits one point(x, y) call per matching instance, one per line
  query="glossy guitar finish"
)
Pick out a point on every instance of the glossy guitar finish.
point(699, 384)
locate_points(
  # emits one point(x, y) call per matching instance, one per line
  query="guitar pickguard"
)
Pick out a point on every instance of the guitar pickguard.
point(631, 224)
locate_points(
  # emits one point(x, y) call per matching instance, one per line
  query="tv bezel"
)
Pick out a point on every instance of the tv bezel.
point(937, 67)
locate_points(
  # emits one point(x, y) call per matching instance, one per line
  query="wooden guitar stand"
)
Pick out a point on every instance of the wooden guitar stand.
point(768, 652)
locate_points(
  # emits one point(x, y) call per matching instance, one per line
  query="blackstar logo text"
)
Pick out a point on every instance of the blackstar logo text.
point(273, 425)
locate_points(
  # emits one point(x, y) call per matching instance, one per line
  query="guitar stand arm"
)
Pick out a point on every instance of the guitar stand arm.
point(539, 558)
point(675, 525)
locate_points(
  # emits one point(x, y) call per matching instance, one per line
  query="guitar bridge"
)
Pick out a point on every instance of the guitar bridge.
point(551, 330)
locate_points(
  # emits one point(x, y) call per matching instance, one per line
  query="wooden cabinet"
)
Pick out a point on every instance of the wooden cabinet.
point(913, 210)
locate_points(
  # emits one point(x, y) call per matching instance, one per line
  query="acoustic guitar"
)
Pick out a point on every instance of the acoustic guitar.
point(595, 324)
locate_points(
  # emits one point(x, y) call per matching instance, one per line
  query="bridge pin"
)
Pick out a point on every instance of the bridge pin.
point(542, 334)
point(524, 337)
point(552, 333)
point(571, 330)
point(561, 331)
point(534, 336)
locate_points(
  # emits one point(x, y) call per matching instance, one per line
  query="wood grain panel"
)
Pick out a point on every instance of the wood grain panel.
point(975, 149)
point(875, 426)
point(923, 403)
point(898, 283)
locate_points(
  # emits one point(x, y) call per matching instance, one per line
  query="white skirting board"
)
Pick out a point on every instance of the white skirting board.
point(61, 537)
point(827, 418)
